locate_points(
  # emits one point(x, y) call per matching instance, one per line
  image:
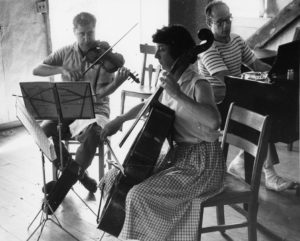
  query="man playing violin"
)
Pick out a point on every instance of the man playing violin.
point(71, 62)
point(160, 207)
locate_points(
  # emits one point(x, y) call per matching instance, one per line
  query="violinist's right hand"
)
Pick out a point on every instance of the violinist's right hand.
point(70, 75)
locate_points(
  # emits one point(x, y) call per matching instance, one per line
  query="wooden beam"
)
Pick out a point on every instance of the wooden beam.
point(269, 30)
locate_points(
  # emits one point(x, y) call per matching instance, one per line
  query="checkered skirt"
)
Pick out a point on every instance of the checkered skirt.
point(160, 208)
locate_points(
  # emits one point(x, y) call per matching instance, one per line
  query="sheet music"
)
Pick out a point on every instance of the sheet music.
point(35, 131)
point(75, 100)
point(62, 100)
point(39, 99)
point(53, 101)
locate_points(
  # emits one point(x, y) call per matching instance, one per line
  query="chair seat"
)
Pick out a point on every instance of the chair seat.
point(139, 89)
point(235, 191)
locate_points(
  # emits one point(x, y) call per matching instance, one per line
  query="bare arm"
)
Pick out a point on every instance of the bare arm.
point(220, 75)
point(259, 66)
point(47, 70)
point(203, 109)
point(114, 125)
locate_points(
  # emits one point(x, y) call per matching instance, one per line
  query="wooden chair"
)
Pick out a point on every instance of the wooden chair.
point(238, 191)
point(143, 90)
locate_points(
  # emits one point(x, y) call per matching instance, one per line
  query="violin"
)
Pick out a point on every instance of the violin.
point(101, 53)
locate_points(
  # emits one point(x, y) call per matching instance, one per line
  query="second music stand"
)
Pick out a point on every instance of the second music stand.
point(56, 101)
point(47, 149)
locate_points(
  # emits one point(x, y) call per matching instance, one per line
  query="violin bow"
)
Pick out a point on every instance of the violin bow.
point(110, 48)
point(115, 163)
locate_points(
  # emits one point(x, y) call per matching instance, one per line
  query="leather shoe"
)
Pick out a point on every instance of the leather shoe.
point(89, 183)
point(49, 187)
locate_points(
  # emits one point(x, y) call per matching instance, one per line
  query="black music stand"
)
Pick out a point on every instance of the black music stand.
point(56, 101)
point(47, 149)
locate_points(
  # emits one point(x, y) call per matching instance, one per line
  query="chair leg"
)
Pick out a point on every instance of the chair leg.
point(101, 160)
point(200, 223)
point(220, 214)
point(290, 146)
point(252, 222)
point(108, 154)
point(54, 172)
point(123, 95)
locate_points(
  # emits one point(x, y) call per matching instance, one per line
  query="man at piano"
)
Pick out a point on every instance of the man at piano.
point(228, 52)
point(159, 206)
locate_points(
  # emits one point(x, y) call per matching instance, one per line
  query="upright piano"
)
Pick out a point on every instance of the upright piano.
point(279, 97)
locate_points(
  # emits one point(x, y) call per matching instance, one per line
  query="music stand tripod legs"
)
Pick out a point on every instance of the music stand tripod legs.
point(59, 127)
point(45, 216)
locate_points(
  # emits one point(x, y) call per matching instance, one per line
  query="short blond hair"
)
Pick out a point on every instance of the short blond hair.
point(83, 19)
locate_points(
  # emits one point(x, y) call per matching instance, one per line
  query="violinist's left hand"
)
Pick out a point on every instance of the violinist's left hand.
point(121, 75)
point(169, 83)
point(103, 45)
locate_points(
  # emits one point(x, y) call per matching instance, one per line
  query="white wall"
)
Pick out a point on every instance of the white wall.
point(23, 39)
point(22, 46)
point(250, 15)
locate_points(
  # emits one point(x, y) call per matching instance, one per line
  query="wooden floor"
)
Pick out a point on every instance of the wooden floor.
point(21, 198)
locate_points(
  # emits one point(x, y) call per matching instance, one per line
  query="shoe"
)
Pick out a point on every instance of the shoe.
point(89, 183)
point(64, 183)
point(49, 187)
point(275, 182)
point(236, 166)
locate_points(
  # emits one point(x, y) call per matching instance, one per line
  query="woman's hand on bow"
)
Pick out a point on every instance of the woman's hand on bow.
point(111, 128)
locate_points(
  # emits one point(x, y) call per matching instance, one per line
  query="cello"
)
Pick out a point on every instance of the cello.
point(140, 160)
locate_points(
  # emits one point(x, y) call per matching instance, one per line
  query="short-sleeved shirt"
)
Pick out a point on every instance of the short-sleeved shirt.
point(225, 56)
point(70, 57)
point(187, 129)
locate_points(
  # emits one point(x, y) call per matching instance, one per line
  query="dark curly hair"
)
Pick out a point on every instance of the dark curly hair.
point(177, 37)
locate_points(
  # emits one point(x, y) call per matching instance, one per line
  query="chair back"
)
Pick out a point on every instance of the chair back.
point(249, 131)
point(153, 72)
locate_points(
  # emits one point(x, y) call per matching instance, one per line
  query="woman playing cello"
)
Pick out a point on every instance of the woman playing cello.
point(160, 207)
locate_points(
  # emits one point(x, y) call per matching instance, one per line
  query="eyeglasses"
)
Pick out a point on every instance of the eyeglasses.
point(221, 21)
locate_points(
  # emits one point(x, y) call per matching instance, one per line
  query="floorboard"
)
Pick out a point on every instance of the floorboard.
point(21, 198)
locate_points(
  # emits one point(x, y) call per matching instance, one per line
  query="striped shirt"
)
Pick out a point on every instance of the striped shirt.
point(225, 56)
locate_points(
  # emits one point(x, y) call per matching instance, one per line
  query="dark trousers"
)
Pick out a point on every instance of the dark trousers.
point(87, 148)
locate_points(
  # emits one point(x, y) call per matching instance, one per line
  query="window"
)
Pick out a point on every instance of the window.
point(246, 8)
